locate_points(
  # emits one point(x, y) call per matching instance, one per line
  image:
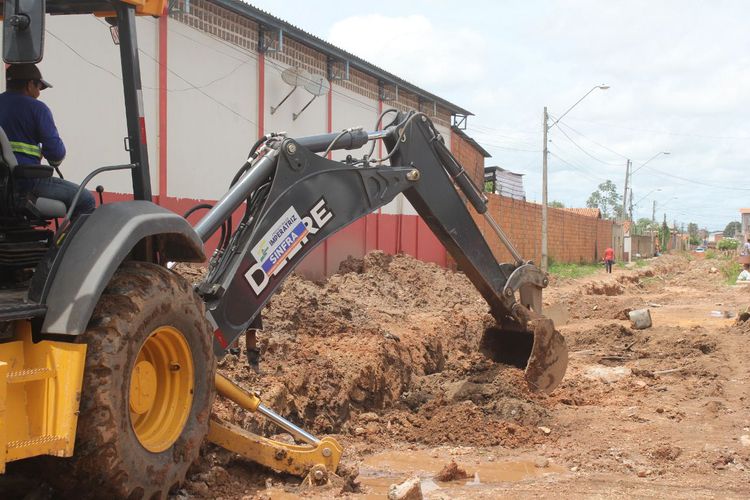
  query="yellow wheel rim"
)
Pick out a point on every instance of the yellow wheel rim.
point(161, 389)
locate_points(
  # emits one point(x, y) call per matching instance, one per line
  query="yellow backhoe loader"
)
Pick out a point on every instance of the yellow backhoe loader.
point(108, 357)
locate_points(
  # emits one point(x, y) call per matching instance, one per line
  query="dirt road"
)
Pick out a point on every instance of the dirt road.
point(383, 357)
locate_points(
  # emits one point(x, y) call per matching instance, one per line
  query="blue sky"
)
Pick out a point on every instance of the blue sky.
point(678, 71)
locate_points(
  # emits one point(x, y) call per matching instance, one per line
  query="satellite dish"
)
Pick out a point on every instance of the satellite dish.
point(295, 77)
point(317, 85)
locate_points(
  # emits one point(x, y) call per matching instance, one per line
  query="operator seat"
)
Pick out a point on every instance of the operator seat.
point(30, 207)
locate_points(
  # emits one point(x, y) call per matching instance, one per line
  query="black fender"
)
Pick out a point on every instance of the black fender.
point(86, 263)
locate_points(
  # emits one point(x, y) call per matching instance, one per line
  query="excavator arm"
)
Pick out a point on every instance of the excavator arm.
point(296, 198)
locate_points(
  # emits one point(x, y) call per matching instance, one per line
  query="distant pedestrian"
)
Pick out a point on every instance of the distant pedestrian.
point(609, 258)
point(745, 250)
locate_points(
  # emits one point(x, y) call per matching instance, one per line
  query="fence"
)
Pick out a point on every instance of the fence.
point(570, 237)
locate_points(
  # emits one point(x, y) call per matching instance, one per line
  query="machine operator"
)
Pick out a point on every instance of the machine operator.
point(29, 125)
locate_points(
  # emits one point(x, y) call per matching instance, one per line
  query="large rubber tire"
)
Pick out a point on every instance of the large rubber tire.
point(109, 460)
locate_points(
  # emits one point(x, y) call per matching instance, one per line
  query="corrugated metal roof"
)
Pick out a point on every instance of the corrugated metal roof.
point(495, 168)
point(471, 141)
point(313, 41)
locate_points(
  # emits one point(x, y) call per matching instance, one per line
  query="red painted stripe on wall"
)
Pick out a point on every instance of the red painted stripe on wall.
point(261, 93)
point(329, 128)
point(163, 129)
point(347, 242)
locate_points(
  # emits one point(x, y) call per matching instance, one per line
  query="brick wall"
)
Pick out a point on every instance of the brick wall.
point(470, 158)
point(571, 237)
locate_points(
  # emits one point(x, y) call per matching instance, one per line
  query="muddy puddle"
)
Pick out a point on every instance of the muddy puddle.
point(379, 471)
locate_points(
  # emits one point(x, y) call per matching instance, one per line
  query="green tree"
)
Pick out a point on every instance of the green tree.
point(644, 225)
point(557, 204)
point(692, 231)
point(733, 229)
point(728, 244)
point(664, 235)
point(606, 199)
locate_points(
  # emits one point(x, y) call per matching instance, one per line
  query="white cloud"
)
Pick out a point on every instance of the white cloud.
point(413, 48)
point(679, 71)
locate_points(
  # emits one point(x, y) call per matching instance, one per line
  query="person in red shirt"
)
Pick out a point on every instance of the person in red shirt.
point(609, 258)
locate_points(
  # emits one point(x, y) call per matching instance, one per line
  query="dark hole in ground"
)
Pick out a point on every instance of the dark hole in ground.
point(507, 346)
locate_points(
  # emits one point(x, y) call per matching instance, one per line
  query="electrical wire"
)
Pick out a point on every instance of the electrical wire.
point(584, 150)
point(249, 56)
point(577, 168)
point(693, 181)
point(591, 140)
point(699, 136)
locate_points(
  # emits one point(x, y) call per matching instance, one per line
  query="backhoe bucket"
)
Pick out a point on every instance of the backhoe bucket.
point(540, 351)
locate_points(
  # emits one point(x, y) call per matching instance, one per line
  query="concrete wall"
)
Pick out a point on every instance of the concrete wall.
point(642, 247)
point(212, 113)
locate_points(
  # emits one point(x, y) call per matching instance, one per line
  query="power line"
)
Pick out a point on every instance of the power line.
point(498, 132)
point(577, 168)
point(692, 181)
point(586, 152)
point(152, 88)
point(700, 136)
point(593, 141)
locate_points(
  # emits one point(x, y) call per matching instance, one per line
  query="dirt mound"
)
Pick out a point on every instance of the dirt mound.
point(390, 335)
point(605, 288)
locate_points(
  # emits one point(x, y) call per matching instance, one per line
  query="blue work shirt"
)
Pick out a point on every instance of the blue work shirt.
point(29, 125)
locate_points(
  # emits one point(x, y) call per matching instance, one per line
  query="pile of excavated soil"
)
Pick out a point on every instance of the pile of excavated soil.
point(385, 349)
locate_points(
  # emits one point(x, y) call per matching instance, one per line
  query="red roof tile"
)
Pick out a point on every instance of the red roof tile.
point(588, 212)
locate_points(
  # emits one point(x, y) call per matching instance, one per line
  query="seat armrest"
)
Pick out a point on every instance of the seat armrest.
point(32, 171)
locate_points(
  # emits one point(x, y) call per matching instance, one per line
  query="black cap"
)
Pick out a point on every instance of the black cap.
point(25, 72)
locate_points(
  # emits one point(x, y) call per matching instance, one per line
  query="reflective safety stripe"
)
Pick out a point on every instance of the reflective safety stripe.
point(27, 149)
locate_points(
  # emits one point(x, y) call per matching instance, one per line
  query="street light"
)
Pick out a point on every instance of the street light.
point(644, 163)
point(629, 180)
point(546, 128)
point(643, 198)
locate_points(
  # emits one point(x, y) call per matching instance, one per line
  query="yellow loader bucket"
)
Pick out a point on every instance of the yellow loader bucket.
point(40, 390)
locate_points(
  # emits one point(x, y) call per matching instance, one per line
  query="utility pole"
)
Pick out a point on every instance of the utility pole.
point(653, 223)
point(625, 194)
point(544, 190)
point(546, 128)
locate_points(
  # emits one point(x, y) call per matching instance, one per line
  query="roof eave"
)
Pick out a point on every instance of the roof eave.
point(269, 20)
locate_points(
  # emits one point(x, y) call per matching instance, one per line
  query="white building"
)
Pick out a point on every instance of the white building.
point(212, 84)
point(504, 182)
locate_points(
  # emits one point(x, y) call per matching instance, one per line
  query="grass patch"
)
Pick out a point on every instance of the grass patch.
point(710, 254)
point(563, 270)
point(731, 269)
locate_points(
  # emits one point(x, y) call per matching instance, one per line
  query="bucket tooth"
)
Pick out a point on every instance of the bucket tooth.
point(549, 357)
